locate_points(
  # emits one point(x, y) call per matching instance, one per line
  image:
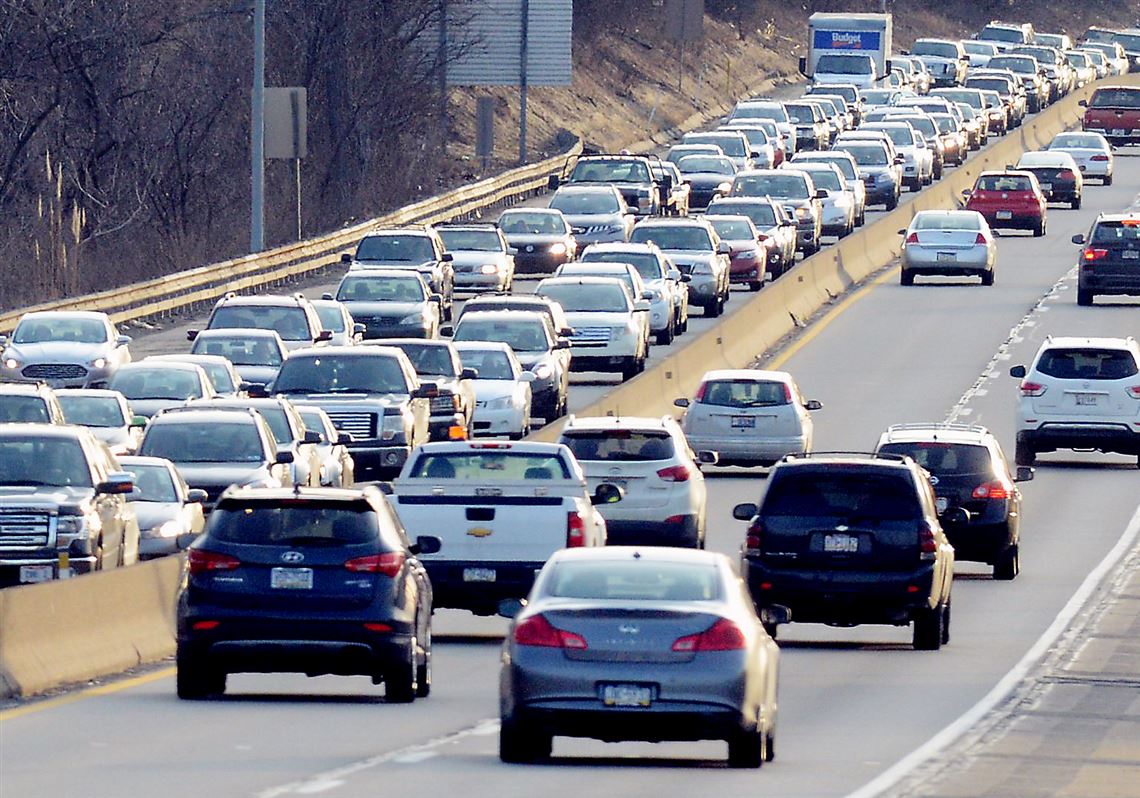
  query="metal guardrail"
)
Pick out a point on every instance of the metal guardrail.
point(164, 295)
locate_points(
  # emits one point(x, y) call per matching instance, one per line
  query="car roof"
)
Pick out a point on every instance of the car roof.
point(364, 349)
point(1119, 217)
point(935, 431)
point(105, 392)
point(639, 423)
point(423, 232)
point(588, 267)
point(1044, 158)
point(207, 413)
point(384, 272)
point(641, 553)
point(69, 314)
point(1066, 342)
point(579, 188)
point(143, 459)
point(482, 346)
point(525, 447)
point(685, 221)
point(746, 374)
point(238, 332)
point(277, 300)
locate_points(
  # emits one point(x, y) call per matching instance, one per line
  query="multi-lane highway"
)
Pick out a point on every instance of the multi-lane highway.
point(852, 701)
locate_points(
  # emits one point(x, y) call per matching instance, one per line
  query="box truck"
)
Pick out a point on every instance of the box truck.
point(848, 48)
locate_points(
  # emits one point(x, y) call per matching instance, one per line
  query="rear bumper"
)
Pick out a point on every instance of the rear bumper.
point(747, 451)
point(664, 721)
point(1104, 437)
point(981, 542)
point(683, 532)
point(374, 457)
point(1110, 284)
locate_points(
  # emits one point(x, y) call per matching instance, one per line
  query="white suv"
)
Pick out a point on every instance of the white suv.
point(1080, 393)
point(649, 458)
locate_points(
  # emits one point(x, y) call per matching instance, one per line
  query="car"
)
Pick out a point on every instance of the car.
point(694, 247)
point(1062, 41)
point(316, 581)
point(878, 169)
point(29, 403)
point(1091, 151)
point(850, 171)
point(1009, 199)
point(611, 328)
point(796, 191)
point(292, 316)
point(749, 252)
point(675, 201)
point(154, 386)
point(811, 126)
point(670, 296)
point(763, 145)
point(540, 239)
point(770, 220)
point(502, 389)
point(391, 303)
point(1005, 35)
point(997, 112)
point(925, 126)
point(835, 109)
point(847, 539)
point(1113, 54)
point(453, 406)
point(774, 110)
point(709, 177)
point(837, 209)
point(975, 108)
point(1085, 71)
point(732, 143)
point(976, 493)
point(662, 320)
point(336, 319)
point(664, 497)
point(644, 191)
point(413, 248)
point(948, 243)
point(255, 354)
point(538, 347)
point(65, 349)
point(1008, 87)
point(1055, 69)
point(481, 256)
point(1057, 174)
point(679, 151)
point(918, 159)
point(776, 139)
point(749, 417)
point(525, 302)
point(1109, 263)
point(914, 73)
point(169, 511)
point(850, 93)
point(1098, 60)
point(223, 376)
point(879, 98)
point(1028, 71)
point(946, 59)
point(1079, 393)
point(585, 657)
point(595, 213)
point(955, 147)
point(337, 469)
point(979, 53)
point(104, 412)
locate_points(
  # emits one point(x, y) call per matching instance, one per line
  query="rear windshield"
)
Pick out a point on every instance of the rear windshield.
point(290, 323)
point(994, 33)
point(939, 49)
point(947, 221)
point(944, 458)
point(1087, 364)
point(91, 411)
point(26, 409)
point(1004, 183)
point(489, 466)
point(1115, 98)
point(744, 393)
point(471, 240)
point(646, 263)
point(400, 248)
point(583, 203)
point(156, 384)
point(850, 494)
point(1116, 232)
point(634, 581)
point(761, 213)
point(619, 445)
point(588, 297)
point(306, 523)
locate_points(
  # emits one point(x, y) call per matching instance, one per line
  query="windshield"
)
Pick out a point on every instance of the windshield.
point(1000, 85)
point(399, 248)
point(530, 223)
point(288, 322)
point(762, 214)
point(789, 186)
point(978, 48)
point(947, 220)
point(610, 171)
point(692, 164)
point(331, 318)
point(303, 524)
point(637, 580)
point(471, 240)
point(938, 49)
point(1115, 98)
point(946, 124)
point(521, 336)
point(679, 151)
point(813, 493)
point(646, 263)
point(826, 178)
point(582, 203)
point(676, 238)
point(801, 114)
point(1129, 41)
point(945, 458)
point(24, 410)
point(774, 112)
point(489, 466)
point(240, 351)
point(999, 34)
point(314, 422)
point(156, 383)
point(1021, 64)
point(620, 445)
point(844, 165)
point(153, 483)
point(430, 359)
point(371, 288)
point(732, 145)
point(491, 364)
point(341, 374)
point(878, 97)
point(183, 442)
point(38, 330)
point(1077, 59)
point(732, 229)
point(43, 461)
point(587, 297)
point(866, 156)
point(91, 411)
point(845, 65)
point(1003, 183)
point(848, 93)
point(924, 125)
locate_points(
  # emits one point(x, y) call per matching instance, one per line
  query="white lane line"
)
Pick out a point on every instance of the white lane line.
point(943, 739)
point(332, 779)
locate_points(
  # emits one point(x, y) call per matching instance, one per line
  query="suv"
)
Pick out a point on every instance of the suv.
point(292, 316)
point(64, 348)
point(976, 495)
point(1080, 393)
point(632, 175)
point(945, 59)
point(1110, 259)
point(316, 581)
point(418, 249)
point(33, 403)
point(696, 249)
point(847, 539)
point(1006, 35)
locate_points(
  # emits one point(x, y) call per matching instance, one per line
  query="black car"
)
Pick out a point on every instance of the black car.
point(976, 495)
point(847, 539)
point(1109, 264)
point(311, 580)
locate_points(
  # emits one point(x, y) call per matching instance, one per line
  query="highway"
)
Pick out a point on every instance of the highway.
point(853, 701)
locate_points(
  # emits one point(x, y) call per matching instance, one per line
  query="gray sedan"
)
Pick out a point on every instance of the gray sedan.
point(948, 243)
point(625, 643)
point(168, 510)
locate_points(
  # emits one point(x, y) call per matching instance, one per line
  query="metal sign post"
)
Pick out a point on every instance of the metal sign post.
point(257, 133)
point(524, 35)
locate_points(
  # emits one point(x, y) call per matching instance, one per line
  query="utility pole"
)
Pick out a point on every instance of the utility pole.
point(257, 133)
point(523, 43)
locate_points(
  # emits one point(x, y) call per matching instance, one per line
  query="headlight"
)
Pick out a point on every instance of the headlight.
point(413, 318)
point(543, 371)
point(88, 524)
point(98, 363)
point(558, 249)
point(803, 213)
point(501, 403)
point(488, 268)
point(169, 529)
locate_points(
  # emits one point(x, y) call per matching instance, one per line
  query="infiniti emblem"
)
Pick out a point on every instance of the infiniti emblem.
point(629, 629)
point(933, 479)
point(292, 556)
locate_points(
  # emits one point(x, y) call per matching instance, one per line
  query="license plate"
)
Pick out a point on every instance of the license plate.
point(947, 257)
point(1087, 399)
point(941, 503)
point(1005, 214)
point(1118, 131)
point(1046, 186)
point(1130, 254)
point(36, 573)
point(743, 422)
point(479, 575)
point(845, 544)
point(291, 578)
point(626, 695)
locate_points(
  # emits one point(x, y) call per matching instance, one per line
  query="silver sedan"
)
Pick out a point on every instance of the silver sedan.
point(948, 243)
point(626, 643)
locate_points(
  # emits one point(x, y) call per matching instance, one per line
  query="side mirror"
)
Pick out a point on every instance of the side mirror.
point(647, 295)
point(966, 192)
point(1017, 371)
point(117, 484)
point(1083, 103)
point(509, 608)
point(191, 335)
point(344, 438)
point(122, 340)
point(744, 512)
point(607, 493)
point(256, 390)
point(775, 614)
point(469, 374)
point(673, 274)
point(552, 182)
point(436, 298)
point(447, 330)
point(723, 248)
point(448, 257)
point(641, 306)
point(706, 457)
point(345, 257)
point(528, 376)
point(899, 159)
point(196, 496)
point(283, 458)
point(324, 335)
point(427, 390)
point(138, 422)
point(1024, 474)
point(682, 402)
point(311, 436)
point(1079, 238)
point(566, 332)
point(426, 544)
point(822, 193)
point(686, 278)
point(358, 330)
point(327, 295)
point(803, 66)
point(813, 404)
point(902, 232)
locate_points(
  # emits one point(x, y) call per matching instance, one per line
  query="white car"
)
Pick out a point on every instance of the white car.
point(650, 460)
point(749, 417)
point(839, 205)
point(918, 159)
point(502, 389)
point(1091, 151)
point(1080, 393)
point(65, 349)
point(337, 467)
point(611, 329)
point(336, 319)
point(660, 275)
point(850, 171)
point(659, 314)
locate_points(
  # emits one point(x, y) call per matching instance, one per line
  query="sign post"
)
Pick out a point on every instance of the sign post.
point(286, 131)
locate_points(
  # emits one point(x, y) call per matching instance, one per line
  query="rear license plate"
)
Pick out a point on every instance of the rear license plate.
point(1130, 254)
point(941, 503)
point(1005, 214)
point(479, 575)
point(1118, 131)
point(626, 695)
point(36, 573)
point(291, 578)
point(947, 257)
point(1046, 186)
point(1087, 399)
point(743, 422)
point(841, 543)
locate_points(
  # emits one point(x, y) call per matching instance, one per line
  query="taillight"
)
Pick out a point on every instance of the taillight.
point(927, 545)
point(912, 238)
point(1134, 391)
point(201, 561)
point(677, 473)
point(723, 635)
point(537, 631)
point(700, 397)
point(1092, 254)
point(1099, 158)
point(1031, 388)
point(997, 489)
point(388, 564)
point(981, 239)
point(575, 530)
point(1067, 174)
point(753, 537)
point(787, 393)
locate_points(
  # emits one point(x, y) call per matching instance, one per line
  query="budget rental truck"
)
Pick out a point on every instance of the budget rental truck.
point(848, 48)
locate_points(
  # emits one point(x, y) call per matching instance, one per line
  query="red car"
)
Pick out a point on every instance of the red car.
point(749, 250)
point(1010, 199)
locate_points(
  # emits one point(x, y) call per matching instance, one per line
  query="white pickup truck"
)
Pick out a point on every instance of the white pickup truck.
point(500, 510)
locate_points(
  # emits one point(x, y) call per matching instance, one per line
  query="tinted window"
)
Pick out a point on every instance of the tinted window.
point(308, 523)
point(530, 223)
point(845, 65)
point(940, 49)
point(945, 458)
point(153, 483)
point(1004, 183)
point(730, 145)
point(731, 229)
point(428, 359)
point(204, 443)
point(1115, 98)
point(91, 411)
point(471, 240)
point(341, 374)
point(866, 156)
point(490, 364)
point(402, 248)
point(24, 409)
point(691, 164)
point(585, 203)
point(642, 580)
point(619, 445)
point(38, 461)
point(1116, 232)
point(1087, 364)
point(521, 336)
point(852, 494)
point(82, 331)
point(611, 171)
point(380, 289)
point(744, 393)
point(240, 351)
point(489, 466)
point(673, 237)
point(646, 263)
point(761, 214)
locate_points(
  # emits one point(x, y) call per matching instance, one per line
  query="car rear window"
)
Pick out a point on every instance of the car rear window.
point(1116, 232)
point(844, 494)
point(635, 581)
point(744, 393)
point(944, 458)
point(489, 466)
point(1087, 364)
point(1115, 98)
point(304, 523)
point(290, 323)
point(24, 409)
point(620, 445)
point(1004, 183)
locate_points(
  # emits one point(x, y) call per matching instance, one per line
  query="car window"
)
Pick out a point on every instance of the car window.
point(691, 164)
point(428, 359)
point(204, 443)
point(290, 323)
point(946, 221)
point(310, 523)
point(331, 318)
point(341, 374)
point(39, 461)
point(24, 409)
point(1116, 232)
point(489, 466)
point(761, 213)
point(1004, 183)
point(91, 411)
point(1115, 98)
point(585, 203)
point(240, 351)
point(845, 65)
point(364, 288)
point(156, 384)
point(1087, 364)
point(791, 186)
point(944, 458)
point(401, 248)
point(81, 331)
point(587, 297)
point(850, 494)
point(619, 445)
point(744, 393)
point(732, 229)
point(153, 483)
point(634, 581)
point(731, 145)
point(531, 223)
point(866, 156)
point(521, 336)
point(491, 364)
point(646, 263)
point(471, 240)
point(615, 171)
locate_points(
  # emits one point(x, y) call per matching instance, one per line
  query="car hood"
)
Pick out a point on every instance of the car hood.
point(199, 475)
point(485, 390)
point(152, 514)
point(58, 351)
point(48, 497)
point(687, 257)
point(384, 308)
point(594, 219)
point(580, 319)
point(475, 258)
point(534, 239)
point(111, 435)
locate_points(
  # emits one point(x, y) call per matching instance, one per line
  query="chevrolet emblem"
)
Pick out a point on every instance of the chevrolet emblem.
point(478, 532)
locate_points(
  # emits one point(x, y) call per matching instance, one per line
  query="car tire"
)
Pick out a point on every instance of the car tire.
point(1107, 180)
point(1039, 230)
point(423, 670)
point(770, 746)
point(906, 277)
point(400, 679)
point(1076, 203)
point(988, 277)
point(1024, 454)
point(684, 326)
point(666, 336)
point(892, 202)
point(747, 749)
point(1084, 297)
point(1008, 564)
point(946, 622)
point(938, 173)
point(519, 744)
point(928, 629)
point(629, 369)
point(195, 679)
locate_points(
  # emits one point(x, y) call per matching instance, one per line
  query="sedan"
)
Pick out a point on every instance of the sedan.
point(540, 238)
point(708, 176)
point(1009, 199)
point(223, 376)
point(1057, 173)
point(155, 386)
point(65, 349)
point(256, 354)
point(1091, 151)
point(502, 389)
point(169, 511)
point(749, 250)
point(621, 643)
point(106, 414)
point(948, 243)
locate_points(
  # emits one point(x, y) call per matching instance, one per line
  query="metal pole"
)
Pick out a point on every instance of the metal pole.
point(297, 169)
point(257, 133)
point(523, 36)
point(441, 68)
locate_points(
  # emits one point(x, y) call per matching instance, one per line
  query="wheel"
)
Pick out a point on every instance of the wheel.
point(713, 310)
point(665, 337)
point(1076, 203)
point(988, 277)
point(684, 326)
point(770, 746)
point(1039, 230)
point(928, 629)
point(938, 172)
point(747, 749)
point(1107, 180)
point(1084, 297)
point(400, 680)
point(946, 623)
point(629, 369)
point(1008, 565)
point(423, 671)
point(892, 202)
point(906, 277)
point(1024, 454)
point(195, 679)
point(521, 744)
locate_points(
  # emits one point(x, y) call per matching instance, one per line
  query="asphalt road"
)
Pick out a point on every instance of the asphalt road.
point(853, 701)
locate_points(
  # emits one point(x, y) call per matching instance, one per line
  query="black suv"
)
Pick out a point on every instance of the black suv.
point(847, 539)
point(1109, 263)
point(312, 580)
point(976, 495)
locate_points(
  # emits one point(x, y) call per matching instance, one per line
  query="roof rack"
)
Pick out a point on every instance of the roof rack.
point(939, 425)
point(853, 455)
point(464, 223)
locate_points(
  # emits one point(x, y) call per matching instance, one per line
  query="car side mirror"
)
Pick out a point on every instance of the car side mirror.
point(813, 404)
point(447, 330)
point(358, 330)
point(256, 390)
point(561, 343)
point(607, 493)
point(899, 159)
point(682, 402)
point(196, 496)
point(1083, 103)
point(138, 422)
point(283, 458)
point(122, 340)
point(426, 544)
point(647, 295)
point(966, 192)
point(191, 335)
point(902, 232)
point(311, 436)
point(673, 274)
point(324, 335)
point(469, 374)
point(1079, 238)
point(708, 457)
point(686, 278)
point(345, 257)
point(553, 182)
point(1017, 371)
point(641, 306)
point(344, 438)
point(327, 295)
point(744, 512)
point(1024, 474)
point(426, 390)
point(822, 193)
point(528, 376)
point(723, 248)
point(118, 484)
point(184, 540)
point(509, 608)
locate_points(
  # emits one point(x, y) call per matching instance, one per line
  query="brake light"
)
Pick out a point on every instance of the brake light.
point(388, 564)
point(996, 489)
point(1092, 254)
point(205, 626)
point(378, 627)
point(1067, 174)
point(753, 536)
point(1099, 158)
point(1134, 391)
point(537, 631)
point(1031, 388)
point(723, 635)
point(700, 397)
point(201, 561)
point(575, 530)
point(981, 239)
point(927, 545)
point(787, 393)
point(489, 445)
point(912, 238)
point(677, 473)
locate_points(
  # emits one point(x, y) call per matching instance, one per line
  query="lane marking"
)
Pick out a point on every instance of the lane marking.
point(88, 692)
point(1033, 657)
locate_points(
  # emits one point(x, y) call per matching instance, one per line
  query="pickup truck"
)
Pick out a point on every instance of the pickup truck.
point(1114, 112)
point(500, 510)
